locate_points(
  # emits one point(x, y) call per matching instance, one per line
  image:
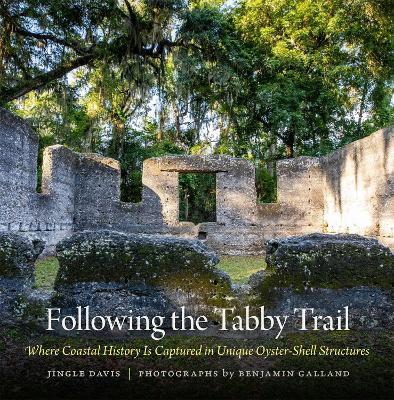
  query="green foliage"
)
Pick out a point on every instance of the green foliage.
point(137, 147)
point(197, 197)
point(265, 185)
point(328, 59)
point(42, 41)
point(145, 78)
point(303, 76)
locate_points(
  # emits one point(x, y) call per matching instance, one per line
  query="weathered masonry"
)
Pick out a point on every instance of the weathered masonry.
point(348, 191)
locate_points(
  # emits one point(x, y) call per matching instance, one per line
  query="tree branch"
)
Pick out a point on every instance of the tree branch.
point(132, 15)
point(9, 94)
point(44, 36)
point(86, 56)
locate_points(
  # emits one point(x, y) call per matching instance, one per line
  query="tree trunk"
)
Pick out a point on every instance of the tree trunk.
point(186, 199)
point(162, 120)
point(362, 107)
point(118, 134)
point(290, 141)
point(271, 165)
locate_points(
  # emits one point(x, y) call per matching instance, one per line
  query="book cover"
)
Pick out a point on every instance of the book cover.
point(196, 199)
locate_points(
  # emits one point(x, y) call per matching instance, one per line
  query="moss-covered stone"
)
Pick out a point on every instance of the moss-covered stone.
point(320, 260)
point(149, 274)
point(17, 255)
point(105, 256)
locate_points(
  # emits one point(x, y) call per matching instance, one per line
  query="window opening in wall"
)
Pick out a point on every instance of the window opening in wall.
point(266, 184)
point(202, 235)
point(197, 197)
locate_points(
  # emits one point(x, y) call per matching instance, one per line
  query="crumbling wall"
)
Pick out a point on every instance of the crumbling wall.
point(235, 230)
point(79, 191)
point(350, 190)
point(97, 183)
point(298, 210)
point(359, 187)
point(48, 215)
point(299, 206)
point(235, 188)
point(97, 198)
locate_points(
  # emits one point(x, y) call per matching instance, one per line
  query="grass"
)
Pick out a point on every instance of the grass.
point(46, 270)
point(239, 269)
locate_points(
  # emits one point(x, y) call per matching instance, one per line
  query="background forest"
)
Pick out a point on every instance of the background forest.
point(258, 79)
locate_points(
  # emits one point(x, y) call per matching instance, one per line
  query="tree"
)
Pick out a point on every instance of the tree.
point(272, 78)
point(42, 41)
point(295, 76)
point(327, 59)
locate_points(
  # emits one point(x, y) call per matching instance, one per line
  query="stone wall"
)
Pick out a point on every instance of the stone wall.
point(358, 187)
point(350, 190)
point(48, 215)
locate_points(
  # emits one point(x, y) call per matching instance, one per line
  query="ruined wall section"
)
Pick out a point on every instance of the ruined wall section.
point(47, 215)
point(236, 193)
point(98, 204)
point(18, 149)
point(236, 228)
point(351, 190)
point(299, 206)
point(97, 183)
point(359, 187)
point(160, 190)
point(79, 191)
point(298, 210)
point(235, 187)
